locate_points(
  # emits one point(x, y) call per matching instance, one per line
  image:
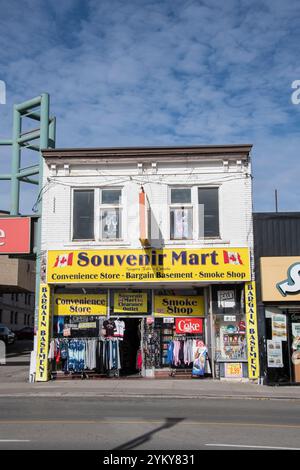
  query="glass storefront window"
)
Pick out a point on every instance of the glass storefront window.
point(230, 337)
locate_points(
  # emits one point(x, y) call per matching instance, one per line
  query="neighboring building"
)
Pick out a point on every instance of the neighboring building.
point(17, 310)
point(17, 285)
point(277, 261)
point(158, 241)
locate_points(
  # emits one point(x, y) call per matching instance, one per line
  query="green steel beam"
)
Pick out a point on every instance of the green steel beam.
point(28, 172)
point(29, 180)
point(6, 142)
point(5, 177)
point(29, 136)
point(26, 105)
point(15, 163)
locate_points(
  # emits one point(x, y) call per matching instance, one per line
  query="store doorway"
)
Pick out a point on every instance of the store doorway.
point(130, 346)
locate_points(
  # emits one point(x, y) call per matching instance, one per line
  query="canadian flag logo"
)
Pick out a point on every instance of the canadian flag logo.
point(63, 260)
point(232, 257)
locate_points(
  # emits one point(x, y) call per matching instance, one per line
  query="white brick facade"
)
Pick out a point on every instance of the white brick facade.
point(235, 199)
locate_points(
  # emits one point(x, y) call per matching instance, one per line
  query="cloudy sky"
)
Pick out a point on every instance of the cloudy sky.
point(168, 72)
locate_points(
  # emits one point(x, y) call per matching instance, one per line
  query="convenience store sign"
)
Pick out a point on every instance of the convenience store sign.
point(80, 304)
point(148, 265)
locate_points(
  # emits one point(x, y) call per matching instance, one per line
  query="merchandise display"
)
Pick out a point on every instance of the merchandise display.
point(230, 339)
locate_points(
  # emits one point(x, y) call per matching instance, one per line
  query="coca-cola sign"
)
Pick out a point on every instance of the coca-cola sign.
point(189, 325)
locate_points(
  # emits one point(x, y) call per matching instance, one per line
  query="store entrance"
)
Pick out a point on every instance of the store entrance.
point(130, 347)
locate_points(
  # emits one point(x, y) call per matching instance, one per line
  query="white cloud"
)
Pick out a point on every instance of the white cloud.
point(161, 73)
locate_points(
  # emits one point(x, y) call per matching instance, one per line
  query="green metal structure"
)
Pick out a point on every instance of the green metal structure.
point(43, 137)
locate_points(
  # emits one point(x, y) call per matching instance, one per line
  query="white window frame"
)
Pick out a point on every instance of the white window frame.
point(101, 207)
point(178, 206)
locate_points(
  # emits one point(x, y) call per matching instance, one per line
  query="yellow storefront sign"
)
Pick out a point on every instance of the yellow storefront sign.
point(43, 334)
point(130, 302)
point(80, 304)
point(252, 330)
point(148, 265)
point(178, 305)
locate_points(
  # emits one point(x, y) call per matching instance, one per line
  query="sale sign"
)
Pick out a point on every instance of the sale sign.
point(14, 235)
point(189, 325)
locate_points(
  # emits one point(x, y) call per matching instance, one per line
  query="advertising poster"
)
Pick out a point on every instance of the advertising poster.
point(199, 353)
point(296, 349)
point(274, 353)
point(279, 330)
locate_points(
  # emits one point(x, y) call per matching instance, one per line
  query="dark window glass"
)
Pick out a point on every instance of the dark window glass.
point(180, 196)
point(111, 196)
point(210, 199)
point(83, 215)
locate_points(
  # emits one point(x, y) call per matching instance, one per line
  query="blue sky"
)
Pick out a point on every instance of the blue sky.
point(138, 72)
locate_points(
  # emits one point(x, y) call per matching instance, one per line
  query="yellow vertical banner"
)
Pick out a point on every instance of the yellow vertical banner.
point(252, 330)
point(42, 366)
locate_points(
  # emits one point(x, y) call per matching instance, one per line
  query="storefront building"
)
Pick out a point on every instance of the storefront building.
point(277, 253)
point(147, 264)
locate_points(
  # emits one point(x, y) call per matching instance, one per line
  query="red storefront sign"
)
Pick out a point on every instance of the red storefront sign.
point(189, 325)
point(14, 235)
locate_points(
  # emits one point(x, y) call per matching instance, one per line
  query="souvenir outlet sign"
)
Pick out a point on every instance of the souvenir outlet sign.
point(130, 302)
point(148, 265)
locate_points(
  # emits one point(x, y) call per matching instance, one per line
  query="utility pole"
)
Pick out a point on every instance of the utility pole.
point(276, 201)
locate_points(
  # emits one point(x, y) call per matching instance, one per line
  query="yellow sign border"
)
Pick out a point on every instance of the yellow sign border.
point(42, 364)
point(252, 330)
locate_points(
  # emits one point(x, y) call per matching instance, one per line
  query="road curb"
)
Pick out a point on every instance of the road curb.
point(144, 396)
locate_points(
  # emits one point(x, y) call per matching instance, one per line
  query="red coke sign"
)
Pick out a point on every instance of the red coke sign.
point(189, 325)
point(14, 235)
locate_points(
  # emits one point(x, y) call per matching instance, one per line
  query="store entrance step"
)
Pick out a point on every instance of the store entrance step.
point(181, 373)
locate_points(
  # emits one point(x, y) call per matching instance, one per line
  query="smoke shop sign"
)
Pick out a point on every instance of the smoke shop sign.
point(148, 265)
point(178, 305)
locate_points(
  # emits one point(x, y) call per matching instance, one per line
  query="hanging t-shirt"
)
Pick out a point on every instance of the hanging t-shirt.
point(109, 326)
point(119, 329)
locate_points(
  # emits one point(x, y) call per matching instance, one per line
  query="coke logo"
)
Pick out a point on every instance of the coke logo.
point(189, 325)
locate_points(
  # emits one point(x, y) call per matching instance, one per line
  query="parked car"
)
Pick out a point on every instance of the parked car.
point(7, 335)
point(25, 333)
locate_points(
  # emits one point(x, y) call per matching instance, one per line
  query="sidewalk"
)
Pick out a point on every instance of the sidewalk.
point(148, 388)
point(14, 383)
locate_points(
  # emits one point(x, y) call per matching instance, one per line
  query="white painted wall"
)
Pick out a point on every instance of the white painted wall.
point(235, 200)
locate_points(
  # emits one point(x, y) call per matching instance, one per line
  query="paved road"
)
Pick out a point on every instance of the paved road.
point(95, 423)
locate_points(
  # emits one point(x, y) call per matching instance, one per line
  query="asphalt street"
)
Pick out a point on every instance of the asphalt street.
point(152, 424)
